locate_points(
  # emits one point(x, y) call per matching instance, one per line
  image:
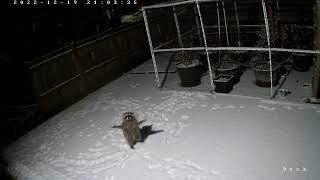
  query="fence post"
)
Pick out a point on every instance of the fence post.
point(225, 23)
point(269, 46)
point(316, 61)
point(75, 61)
point(205, 44)
point(144, 13)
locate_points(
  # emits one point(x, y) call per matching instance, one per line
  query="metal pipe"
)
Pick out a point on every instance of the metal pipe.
point(273, 33)
point(240, 26)
point(254, 25)
point(177, 26)
point(269, 47)
point(218, 16)
point(225, 23)
point(296, 50)
point(237, 19)
point(151, 47)
point(180, 49)
point(197, 23)
point(161, 5)
point(219, 26)
point(278, 22)
point(205, 45)
point(240, 49)
point(248, 32)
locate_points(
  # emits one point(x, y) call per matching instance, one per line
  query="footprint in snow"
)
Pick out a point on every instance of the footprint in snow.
point(288, 108)
point(230, 107)
point(147, 98)
point(109, 178)
point(184, 117)
point(214, 172)
point(266, 108)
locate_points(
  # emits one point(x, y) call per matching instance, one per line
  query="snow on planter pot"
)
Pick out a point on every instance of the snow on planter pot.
point(229, 68)
point(190, 73)
point(224, 83)
point(262, 74)
point(302, 62)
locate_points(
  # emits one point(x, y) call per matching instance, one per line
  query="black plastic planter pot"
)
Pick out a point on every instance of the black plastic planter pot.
point(224, 83)
point(302, 62)
point(262, 74)
point(229, 68)
point(190, 75)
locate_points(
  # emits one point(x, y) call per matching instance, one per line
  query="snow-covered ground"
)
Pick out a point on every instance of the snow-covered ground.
point(206, 136)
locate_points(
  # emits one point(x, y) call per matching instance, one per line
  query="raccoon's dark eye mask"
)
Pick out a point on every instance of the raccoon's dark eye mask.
point(128, 117)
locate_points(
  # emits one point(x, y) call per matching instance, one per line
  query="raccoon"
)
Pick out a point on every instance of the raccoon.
point(130, 128)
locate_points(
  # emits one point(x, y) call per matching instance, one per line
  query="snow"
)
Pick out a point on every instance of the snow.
point(297, 83)
point(206, 136)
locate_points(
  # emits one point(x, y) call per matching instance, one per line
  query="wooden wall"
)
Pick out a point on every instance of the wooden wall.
point(65, 76)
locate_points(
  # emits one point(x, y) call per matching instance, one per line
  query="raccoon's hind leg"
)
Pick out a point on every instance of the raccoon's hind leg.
point(138, 137)
point(129, 138)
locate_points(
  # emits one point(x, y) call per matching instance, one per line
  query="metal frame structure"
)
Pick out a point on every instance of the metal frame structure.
point(205, 47)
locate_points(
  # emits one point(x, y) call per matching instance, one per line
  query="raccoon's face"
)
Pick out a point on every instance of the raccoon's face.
point(128, 116)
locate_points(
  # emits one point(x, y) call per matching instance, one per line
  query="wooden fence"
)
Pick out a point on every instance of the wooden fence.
point(67, 75)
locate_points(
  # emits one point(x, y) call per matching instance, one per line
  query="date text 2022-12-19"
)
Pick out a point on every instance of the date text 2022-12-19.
point(73, 2)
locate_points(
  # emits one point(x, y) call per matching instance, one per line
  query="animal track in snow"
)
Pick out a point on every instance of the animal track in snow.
point(287, 107)
point(147, 98)
point(184, 117)
point(226, 107)
point(266, 108)
point(214, 172)
point(184, 169)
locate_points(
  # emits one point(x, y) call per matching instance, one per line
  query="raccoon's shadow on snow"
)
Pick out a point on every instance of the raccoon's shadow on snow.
point(147, 131)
